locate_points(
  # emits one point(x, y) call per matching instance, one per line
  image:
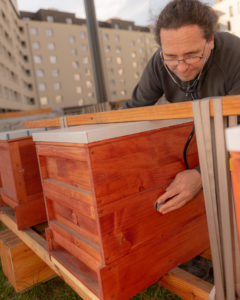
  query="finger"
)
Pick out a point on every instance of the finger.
point(165, 196)
point(175, 203)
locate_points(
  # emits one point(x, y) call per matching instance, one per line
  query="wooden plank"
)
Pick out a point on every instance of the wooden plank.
point(207, 254)
point(21, 265)
point(186, 285)
point(15, 114)
point(39, 246)
point(181, 110)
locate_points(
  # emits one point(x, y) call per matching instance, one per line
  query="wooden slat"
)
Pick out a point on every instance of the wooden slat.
point(182, 110)
point(207, 254)
point(185, 285)
point(15, 114)
point(39, 246)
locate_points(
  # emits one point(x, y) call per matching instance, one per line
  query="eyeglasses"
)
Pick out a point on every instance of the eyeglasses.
point(188, 60)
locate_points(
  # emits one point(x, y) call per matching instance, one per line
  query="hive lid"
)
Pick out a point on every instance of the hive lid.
point(98, 132)
point(233, 138)
point(14, 134)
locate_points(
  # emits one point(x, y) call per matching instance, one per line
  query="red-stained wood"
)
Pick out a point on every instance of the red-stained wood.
point(135, 163)
point(133, 222)
point(101, 209)
point(136, 271)
point(235, 166)
point(21, 183)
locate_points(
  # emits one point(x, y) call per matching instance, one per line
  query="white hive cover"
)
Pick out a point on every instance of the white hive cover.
point(10, 135)
point(233, 138)
point(99, 132)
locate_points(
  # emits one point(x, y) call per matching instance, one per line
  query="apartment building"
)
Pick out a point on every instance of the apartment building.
point(50, 62)
point(229, 15)
point(17, 87)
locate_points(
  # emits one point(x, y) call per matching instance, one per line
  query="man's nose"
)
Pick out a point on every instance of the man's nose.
point(182, 66)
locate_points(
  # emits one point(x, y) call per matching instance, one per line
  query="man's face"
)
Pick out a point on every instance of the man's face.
point(187, 41)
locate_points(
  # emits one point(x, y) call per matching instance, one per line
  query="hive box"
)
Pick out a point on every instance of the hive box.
point(20, 179)
point(100, 184)
point(233, 145)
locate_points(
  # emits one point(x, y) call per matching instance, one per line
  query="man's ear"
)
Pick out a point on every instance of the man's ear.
point(212, 42)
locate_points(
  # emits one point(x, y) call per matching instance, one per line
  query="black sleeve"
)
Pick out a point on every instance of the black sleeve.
point(149, 89)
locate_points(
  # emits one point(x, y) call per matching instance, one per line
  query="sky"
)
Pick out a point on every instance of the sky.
point(142, 12)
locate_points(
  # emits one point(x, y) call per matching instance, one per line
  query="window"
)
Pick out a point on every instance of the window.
point(85, 60)
point(136, 75)
point(53, 59)
point(90, 95)
point(50, 19)
point(51, 46)
point(140, 50)
point(89, 84)
point(57, 85)
point(114, 93)
point(140, 40)
point(133, 54)
point(134, 64)
point(72, 39)
point(37, 59)
point(33, 31)
point(123, 92)
point(84, 47)
point(108, 59)
point(132, 43)
point(78, 89)
point(106, 37)
point(55, 73)
point(59, 99)
point(119, 60)
point(118, 49)
point(87, 72)
point(80, 102)
point(35, 45)
point(82, 35)
point(74, 51)
point(49, 32)
point(108, 48)
point(40, 73)
point(116, 37)
point(116, 26)
point(113, 82)
point(77, 77)
point(43, 100)
point(130, 27)
point(229, 25)
point(68, 20)
point(75, 64)
point(120, 72)
point(42, 86)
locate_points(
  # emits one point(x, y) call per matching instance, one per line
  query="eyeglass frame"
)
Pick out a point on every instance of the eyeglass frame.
point(184, 59)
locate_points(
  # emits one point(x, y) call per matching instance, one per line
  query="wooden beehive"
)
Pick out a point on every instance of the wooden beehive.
point(20, 264)
point(100, 184)
point(20, 179)
point(233, 145)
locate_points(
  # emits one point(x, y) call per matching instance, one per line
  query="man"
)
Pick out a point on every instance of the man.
point(193, 62)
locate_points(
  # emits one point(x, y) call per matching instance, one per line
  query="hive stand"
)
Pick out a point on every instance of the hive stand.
point(20, 264)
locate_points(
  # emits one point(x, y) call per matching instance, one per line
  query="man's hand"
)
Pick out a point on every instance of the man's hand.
point(181, 190)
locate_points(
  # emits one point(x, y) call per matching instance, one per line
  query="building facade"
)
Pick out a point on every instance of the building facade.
point(49, 61)
point(229, 15)
point(17, 86)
